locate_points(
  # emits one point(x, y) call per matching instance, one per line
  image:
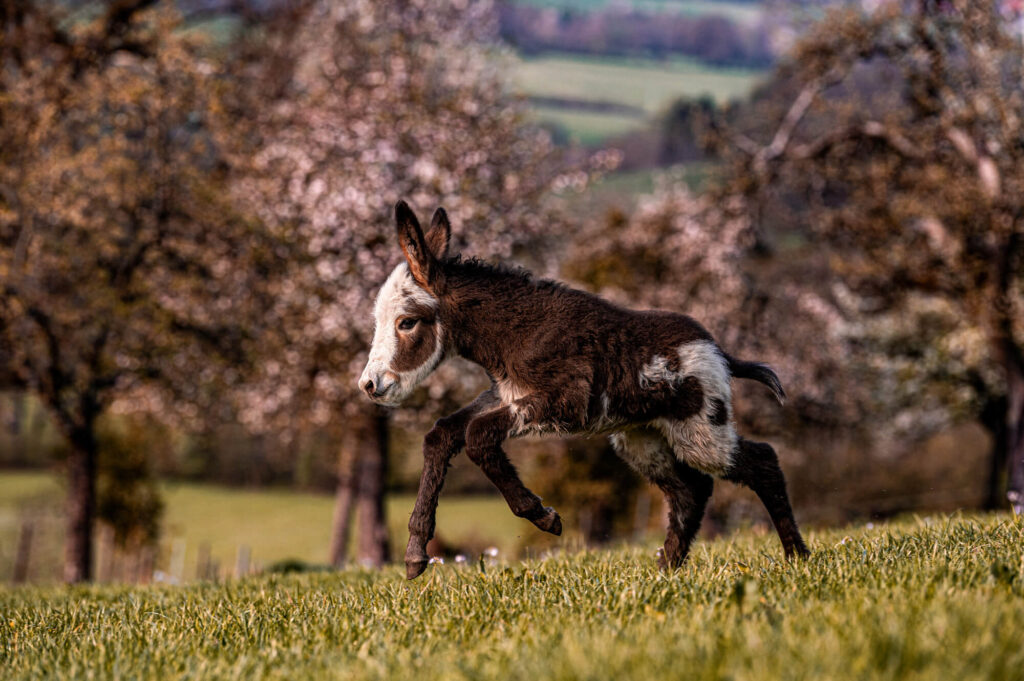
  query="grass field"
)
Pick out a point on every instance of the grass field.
point(646, 85)
point(275, 525)
point(939, 598)
point(588, 128)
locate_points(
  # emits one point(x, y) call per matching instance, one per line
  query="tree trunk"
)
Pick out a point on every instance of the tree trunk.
point(373, 545)
point(1013, 362)
point(1015, 435)
point(81, 505)
point(344, 500)
point(17, 415)
point(993, 418)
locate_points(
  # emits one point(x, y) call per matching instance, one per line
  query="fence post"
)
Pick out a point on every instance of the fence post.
point(144, 566)
point(203, 562)
point(177, 566)
point(23, 551)
point(242, 561)
point(105, 558)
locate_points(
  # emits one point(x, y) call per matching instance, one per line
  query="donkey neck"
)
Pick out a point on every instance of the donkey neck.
point(495, 313)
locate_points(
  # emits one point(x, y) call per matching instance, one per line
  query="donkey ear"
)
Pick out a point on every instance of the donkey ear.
point(439, 234)
point(422, 264)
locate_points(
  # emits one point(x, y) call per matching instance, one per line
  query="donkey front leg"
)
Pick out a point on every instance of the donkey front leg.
point(440, 444)
point(484, 436)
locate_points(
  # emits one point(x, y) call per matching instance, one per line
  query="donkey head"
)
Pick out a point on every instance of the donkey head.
point(409, 338)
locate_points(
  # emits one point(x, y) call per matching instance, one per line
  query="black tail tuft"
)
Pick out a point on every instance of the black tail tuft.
point(762, 373)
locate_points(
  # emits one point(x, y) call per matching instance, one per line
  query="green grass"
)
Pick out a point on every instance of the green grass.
point(17, 488)
point(624, 189)
point(285, 524)
point(919, 599)
point(587, 127)
point(645, 84)
point(274, 524)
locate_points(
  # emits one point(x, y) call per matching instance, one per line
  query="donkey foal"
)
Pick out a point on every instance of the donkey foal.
point(563, 361)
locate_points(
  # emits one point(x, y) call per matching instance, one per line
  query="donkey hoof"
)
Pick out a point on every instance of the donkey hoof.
point(550, 521)
point(415, 568)
point(798, 552)
point(416, 559)
point(669, 561)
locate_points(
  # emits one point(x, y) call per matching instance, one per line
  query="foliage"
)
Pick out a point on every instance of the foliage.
point(357, 105)
point(126, 270)
point(28, 438)
point(696, 255)
point(595, 492)
point(384, 101)
point(895, 141)
point(122, 259)
point(922, 598)
point(127, 497)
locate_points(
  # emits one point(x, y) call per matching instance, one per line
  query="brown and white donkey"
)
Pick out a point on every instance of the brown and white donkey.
point(563, 361)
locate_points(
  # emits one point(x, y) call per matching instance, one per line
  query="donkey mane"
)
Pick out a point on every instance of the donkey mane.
point(474, 268)
point(472, 273)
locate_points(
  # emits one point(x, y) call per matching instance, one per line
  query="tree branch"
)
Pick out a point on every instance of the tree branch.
point(869, 130)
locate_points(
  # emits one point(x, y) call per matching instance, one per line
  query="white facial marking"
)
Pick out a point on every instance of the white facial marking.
point(396, 297)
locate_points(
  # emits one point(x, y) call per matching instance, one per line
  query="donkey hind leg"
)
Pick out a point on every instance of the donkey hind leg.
point(484, 436)
point(441, 443)
point(756, 466)
point(686, 489)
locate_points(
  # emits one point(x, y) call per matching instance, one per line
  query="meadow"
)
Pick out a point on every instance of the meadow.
point(276, 525)
point(645, 86)
point(921, 598)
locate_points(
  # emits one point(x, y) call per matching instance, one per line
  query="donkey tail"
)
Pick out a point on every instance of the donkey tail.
point(757, 371)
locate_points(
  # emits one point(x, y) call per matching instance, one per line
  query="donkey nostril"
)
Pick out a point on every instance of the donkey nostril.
point(368, 387)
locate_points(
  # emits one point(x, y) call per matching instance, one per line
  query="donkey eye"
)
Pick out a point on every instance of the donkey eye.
point(407, 323)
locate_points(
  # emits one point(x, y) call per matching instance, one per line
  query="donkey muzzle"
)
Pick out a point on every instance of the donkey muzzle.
point(377, 386)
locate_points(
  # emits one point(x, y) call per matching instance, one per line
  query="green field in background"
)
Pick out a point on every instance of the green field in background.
point(919, 599)
point(587, 127)
point(646, 84)
point(274, 524)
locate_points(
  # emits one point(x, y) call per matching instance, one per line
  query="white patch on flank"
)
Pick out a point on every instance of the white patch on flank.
point(396, 297)
point(656, 371)
point(695, 440)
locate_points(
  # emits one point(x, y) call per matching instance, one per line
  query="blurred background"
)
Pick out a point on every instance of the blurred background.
point(195, 215)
